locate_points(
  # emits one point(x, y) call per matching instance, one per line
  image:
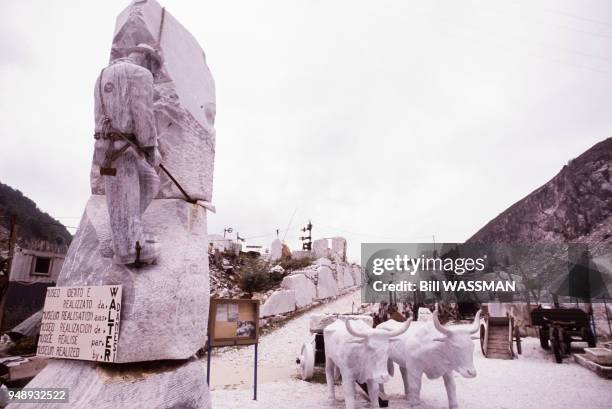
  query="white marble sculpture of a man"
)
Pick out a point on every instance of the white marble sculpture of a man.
point(126, 150)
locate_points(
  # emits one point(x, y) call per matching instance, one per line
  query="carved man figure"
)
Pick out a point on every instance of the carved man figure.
point(126, 150)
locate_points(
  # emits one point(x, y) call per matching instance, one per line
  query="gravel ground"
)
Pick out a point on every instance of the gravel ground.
point(532, 381)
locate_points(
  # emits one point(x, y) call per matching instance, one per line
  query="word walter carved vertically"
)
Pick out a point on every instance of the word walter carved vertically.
point(144, 226)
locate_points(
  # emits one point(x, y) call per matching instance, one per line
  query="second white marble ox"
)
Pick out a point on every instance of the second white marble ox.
point(358, 353)
point(432, 349)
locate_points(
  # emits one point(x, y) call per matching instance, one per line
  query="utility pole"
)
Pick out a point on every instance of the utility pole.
point(307, 240)
point(12, 241)
point(6, 277)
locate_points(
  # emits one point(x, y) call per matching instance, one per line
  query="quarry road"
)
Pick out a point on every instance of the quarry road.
point(232, 368)
point(532, 381)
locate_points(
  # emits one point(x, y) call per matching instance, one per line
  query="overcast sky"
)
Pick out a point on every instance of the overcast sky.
point(378, 120)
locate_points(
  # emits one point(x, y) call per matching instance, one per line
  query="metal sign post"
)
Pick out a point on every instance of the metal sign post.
point(208, 359)
point(208, 356)
point(233, 322)
point(255, 375)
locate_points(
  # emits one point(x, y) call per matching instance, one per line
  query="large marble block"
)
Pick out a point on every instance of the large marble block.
point(356, 271)
point(155, 385)
point(327, 286)
point(305, 290)
point(348, 276)
point(165, 306)
point(276, 250)
point(338, 248)
point(280, 302)
point(185, 105)
point(320, 248)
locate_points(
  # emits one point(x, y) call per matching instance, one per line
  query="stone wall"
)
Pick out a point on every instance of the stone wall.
point(321, 281)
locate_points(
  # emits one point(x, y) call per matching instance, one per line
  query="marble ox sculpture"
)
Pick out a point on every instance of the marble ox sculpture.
point(432, 349)
point(357, 353)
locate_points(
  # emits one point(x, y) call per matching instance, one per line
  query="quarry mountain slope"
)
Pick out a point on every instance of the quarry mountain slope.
point(574, 206)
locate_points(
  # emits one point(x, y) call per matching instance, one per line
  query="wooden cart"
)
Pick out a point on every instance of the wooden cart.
point(559, 327)
point(497, 335)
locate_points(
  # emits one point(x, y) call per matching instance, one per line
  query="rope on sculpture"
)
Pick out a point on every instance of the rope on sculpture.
point(112, 155)
point(161, 27)
point(107, 132)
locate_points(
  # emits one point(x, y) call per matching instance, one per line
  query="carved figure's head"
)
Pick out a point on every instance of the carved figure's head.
point(145, 56)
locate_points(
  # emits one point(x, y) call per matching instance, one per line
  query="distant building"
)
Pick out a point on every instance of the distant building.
point(32, 271)
point(34, 266)
point(217, 242)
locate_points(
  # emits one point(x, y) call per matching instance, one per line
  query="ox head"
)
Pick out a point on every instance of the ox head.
point(460, 346)
point(376, 344)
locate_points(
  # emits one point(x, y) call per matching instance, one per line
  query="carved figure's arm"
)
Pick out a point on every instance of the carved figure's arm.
point(141, 107)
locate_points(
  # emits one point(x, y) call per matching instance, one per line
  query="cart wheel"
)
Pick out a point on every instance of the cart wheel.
point(544, 335)
point(556, 345)
point(306, 361)
point(590, 338)
point(482, 337)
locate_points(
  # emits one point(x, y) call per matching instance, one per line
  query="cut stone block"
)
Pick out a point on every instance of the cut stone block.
point(601, 370)
point(276, 250)
point(356, 271)
point(164, 312)
point(280, 302)
point(305, 290)
point(343, 276)
point(602, 356)
point(338, 248)
point(154, 385)
point(327, 286)
point(300, 254)
point(348, 277)
point(320, 248)
point(323, 262)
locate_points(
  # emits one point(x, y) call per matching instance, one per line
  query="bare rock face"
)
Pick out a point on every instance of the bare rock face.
point(165, 305)
point(573, 205)
point(145, 386)
point(185, 105)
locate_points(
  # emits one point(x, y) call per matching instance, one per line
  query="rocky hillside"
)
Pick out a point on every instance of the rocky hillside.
point(33, 225)
point(574, 206)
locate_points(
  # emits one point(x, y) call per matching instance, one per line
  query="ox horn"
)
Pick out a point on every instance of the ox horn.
point(395, 332)
point(353, 331)
point(476, 323)
point(441, 328)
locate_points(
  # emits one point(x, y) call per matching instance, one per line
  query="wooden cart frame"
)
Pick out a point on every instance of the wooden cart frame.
point(495, 346)
point(559, 327)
